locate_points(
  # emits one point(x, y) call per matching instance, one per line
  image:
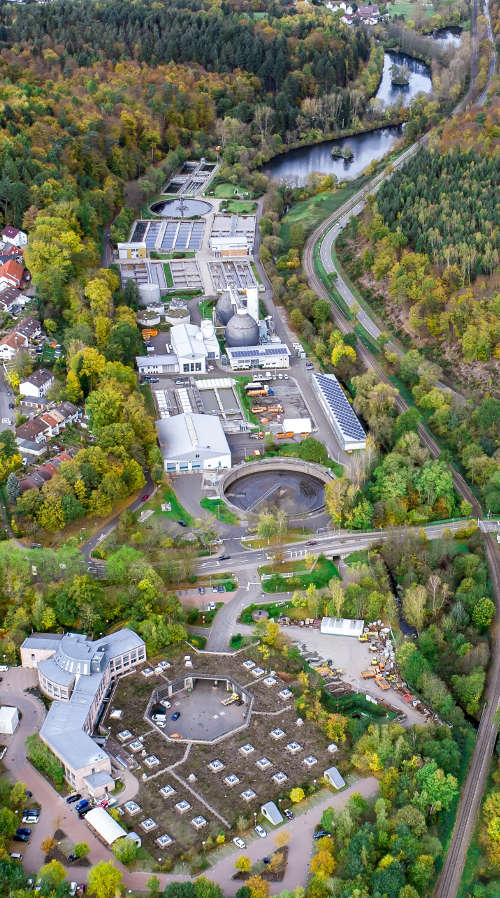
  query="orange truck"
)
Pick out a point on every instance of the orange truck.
point(280, 436)
point(368, 674)
point(149, 332)
point(383, 684)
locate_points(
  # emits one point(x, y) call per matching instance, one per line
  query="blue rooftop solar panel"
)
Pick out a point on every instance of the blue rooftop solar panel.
point(335, 397)
point(254, 351)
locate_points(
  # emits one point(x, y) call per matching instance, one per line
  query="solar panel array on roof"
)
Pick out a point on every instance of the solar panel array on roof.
point(258, 351)
point(343, 413)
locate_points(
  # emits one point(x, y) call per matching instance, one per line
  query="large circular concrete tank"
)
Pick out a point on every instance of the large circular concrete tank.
point(242, 330)
point(224, 308)
point(148, 294)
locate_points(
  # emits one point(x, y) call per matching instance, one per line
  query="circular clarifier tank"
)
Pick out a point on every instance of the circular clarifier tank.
point(293, 492)
point(180, 208)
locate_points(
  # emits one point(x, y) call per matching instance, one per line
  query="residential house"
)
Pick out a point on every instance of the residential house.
point(29, 328)
point(37, 384)
point(9, 298)
point(41, 474)
point(10, 345)
point(12, 273)
point(368, 15)
point(14, 236)
point(34, 430)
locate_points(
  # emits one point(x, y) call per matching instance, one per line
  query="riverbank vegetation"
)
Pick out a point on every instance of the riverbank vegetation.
point(481, 878)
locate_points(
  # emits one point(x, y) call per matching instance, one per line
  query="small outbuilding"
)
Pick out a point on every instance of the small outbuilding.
point(103, 824)
point(270, 811)
point(334, 778)
point(99, 783)
point(9, 719)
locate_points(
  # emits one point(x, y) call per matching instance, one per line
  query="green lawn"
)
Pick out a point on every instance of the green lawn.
point(240, 207)
point(197, 618)
point(219, 508)
point(177, 511)
point(274, 610)
point(319, 576)
point(206, 309)
point(311, 212)
point(226, 190)
point(168, 275)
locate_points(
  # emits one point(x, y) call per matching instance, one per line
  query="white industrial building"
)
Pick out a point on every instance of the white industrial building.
point(339, 412)
point(192, 442)
point(267, 355)
point(194, 345)
point(167, 363)
point(9, 720)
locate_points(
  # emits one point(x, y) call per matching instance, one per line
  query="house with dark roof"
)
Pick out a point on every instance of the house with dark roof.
point(41, 474)
point(35, 430)
point(37, 384)
point(14, 236)
point(9, 298)
point(29, 328)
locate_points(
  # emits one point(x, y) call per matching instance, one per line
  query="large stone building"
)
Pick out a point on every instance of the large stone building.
point(78, 673)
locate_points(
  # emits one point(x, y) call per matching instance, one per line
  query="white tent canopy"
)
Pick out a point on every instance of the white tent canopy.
point(341, 626)
point(107, 828)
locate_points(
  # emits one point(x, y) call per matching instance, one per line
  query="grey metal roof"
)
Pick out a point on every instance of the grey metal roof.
point(242, 330)
point(336, 400)
point(335, 777)
point(169, 359)
point(101, 778)
point(42, 641)
point(182, 435)
point(270, 810)
point(53, 672)
point(63, 728)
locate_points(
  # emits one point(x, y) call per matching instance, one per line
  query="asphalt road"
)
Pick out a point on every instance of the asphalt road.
point(87, 548)
point(330, 543)
point(6, 396)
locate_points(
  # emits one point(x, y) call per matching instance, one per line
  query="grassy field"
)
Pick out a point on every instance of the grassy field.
point(177, 512)
point(240, 207)
point(168, 275)
point(219, 508)
point(319, 575)
point(206, 309)
point(256, 273)
point(226, 191)
point(274, 610)
point(311, 212)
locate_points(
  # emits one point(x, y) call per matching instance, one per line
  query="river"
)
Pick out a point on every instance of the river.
point(449, 38)
point(295, 166)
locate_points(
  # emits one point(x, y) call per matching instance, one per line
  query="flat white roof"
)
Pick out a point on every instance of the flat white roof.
point(182, 435)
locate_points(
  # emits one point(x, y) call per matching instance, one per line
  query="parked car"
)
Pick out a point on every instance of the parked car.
point(72, 798)
point(72, 857)
point(16, 856)
point(214, 589)
point(224, 557)
point(23, 831)
point(176, 715)
point(28, 793)
point(288, 813)
point(220, 587)
point(73, 887)
point(31, 816)
point(4, 668)
point(311, 542)
point(322, 834)
point(260, 831)
point(239, 842)
point(84, 803)
point(266, 860)
point(182, 523)
point(145, 497)
point(201, 590)
point(20, 838)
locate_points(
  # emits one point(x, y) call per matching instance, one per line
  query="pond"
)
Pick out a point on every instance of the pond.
point(419, 80)
point(295, 166)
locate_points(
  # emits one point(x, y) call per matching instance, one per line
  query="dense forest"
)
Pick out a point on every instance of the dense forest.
point(446, 206)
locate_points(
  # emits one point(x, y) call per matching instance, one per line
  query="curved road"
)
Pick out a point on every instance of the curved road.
point(474, 786)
